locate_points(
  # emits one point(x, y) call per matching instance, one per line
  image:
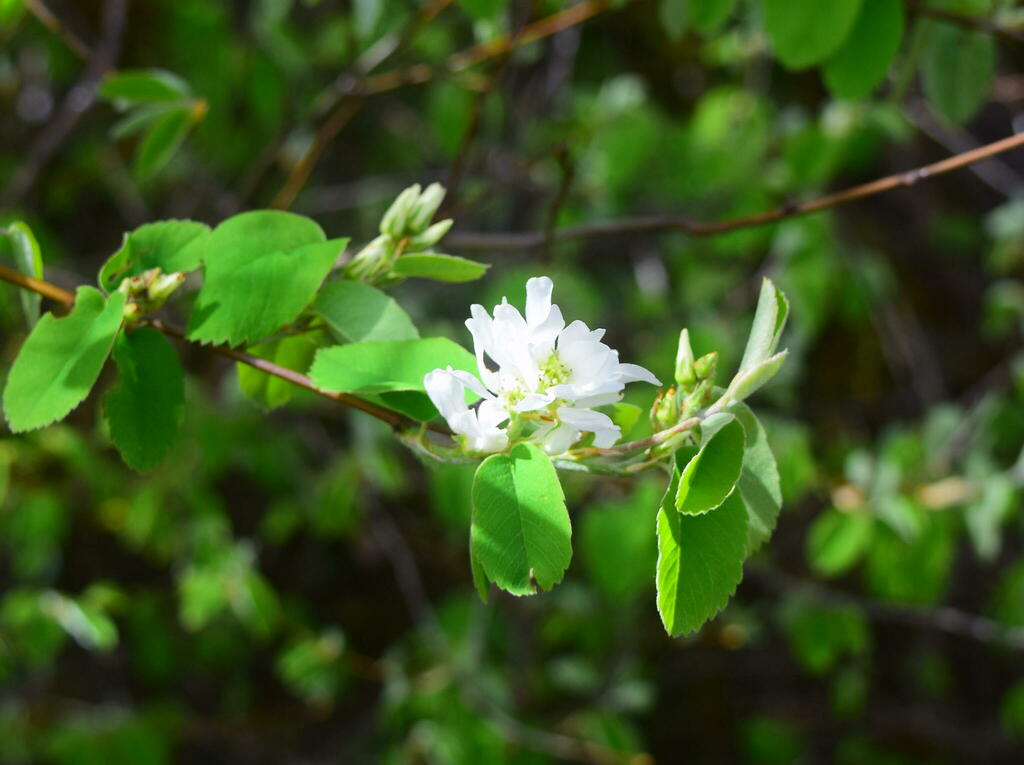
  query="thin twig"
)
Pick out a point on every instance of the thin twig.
point(49, 20)
point(661, 223)
point(395, 420)
point(976, 23)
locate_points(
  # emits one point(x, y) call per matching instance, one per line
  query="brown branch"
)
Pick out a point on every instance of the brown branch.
point(975, 23)
point(395, 420)
point(661, 223)
point(48, 19)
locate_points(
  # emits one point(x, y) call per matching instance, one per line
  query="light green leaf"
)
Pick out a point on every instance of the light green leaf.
point(162, 140)
point(294, 352)
point(803, 32)
point(759, 484)
point(700, 561)
point(618, 550)
point(261, 269)
point(170, 245)
point(144, 86)
point(60, 361)
point(29, 260)
point(709, 476)
point(746, 383)
point(442, 268)
point(769, 321)
point(520, 536)
point(956, 70)
point(863, 60)
point(144, 411)
point(139, 119)
point(625, 415)
point(355, 312)
point(837, 540)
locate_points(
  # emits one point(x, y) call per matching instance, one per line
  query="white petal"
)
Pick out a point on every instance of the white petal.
point(607, 437)
point(491, 414)
point(531, 402)
point(598, 399)
point(470, 382)
point(636, 373)
point(538, 300)
point(560, 439)
point(446, 393)
point(585, 419)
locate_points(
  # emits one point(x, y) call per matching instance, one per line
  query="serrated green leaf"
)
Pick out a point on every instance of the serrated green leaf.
point(442, 268)
point(836, 541)
point(804, 33)
point(144, 86)
point(294, 352)
point(356, 312)
point(863, 60)
point(759, 484)
point(520, 535)
point(28, 259)
point(144, 411)
point(956, 70)
point(260, 270)
point(60, 361)
point(769, 321)
point(709, 476)
point(170, 245)
point(700, 561)
point(161, 141)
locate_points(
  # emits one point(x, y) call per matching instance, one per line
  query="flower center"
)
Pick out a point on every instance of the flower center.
point(553, 371)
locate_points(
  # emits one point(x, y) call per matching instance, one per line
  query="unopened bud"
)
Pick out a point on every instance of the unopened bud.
point(396, 219)
point(665, 411)
point(431, 236)
point(705, 366)
point(697, 400)
point(423, 211)
point(370, 260)
point(161, 287)
point(685, 376)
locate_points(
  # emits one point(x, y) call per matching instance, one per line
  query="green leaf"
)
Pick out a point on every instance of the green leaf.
point(804, 33)
point(863, 61)
point(170, 245)
point(520, 536)
point(820, 634)
point(769, 321)
point(161, 141)
point(618, 550)
point(956, 70)
point(837, 540)
point(709, 476)
point(60, 361)
point(139, 119)
point(700, 561)
point(144, 411)
point(759, 484)
point(144, 86)
point(674, 17)
point(294, 352)
point(708, 16)
point(442, 268)
point(355, 312)
point(625, 415)
point(28, 260)
point(746, 383)
point(261, 269)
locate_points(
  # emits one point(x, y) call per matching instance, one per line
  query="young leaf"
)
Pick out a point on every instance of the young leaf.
point(804, 33)
point(863, 61)
point(700, 561)
point(709, 476)
point(60, 361)
point(442, 268)
point(29, 260)
point(144, 86)
point(748, 382)
point(261, 269)
point(769, 321)
point(294, 352)
point(162, 140)
point(144, 411)
point(837, 540)
point(521, 533)
point(170, 245)
point(759, 484)
point(355, 312)
point(956, 70)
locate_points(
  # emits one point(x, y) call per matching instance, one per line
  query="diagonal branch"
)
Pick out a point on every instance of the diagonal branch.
point(395, 420)
point(653, 224)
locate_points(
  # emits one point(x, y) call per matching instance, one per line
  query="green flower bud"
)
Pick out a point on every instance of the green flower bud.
point(370, 260)
point(685, 375)
point(697, 400)
point(665, 410)
point(423, 211)
point(431, 236)
point(705, 366)
point(396, 219)
point(161, 287)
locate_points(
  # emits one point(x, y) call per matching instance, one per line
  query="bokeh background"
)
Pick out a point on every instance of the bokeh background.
point(294, 587)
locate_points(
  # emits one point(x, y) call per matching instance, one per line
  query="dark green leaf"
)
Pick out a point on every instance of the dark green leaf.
point(144, 86)
point(837, 540)
point(60, 361)
point(161, 141)
point(803, 32)
point(956, 70)
point(29, 260)
point(520, 536)
point(144, 411)
point(863, 61)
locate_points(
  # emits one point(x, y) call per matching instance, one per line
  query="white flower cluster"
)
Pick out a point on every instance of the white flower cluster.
point(545, 374)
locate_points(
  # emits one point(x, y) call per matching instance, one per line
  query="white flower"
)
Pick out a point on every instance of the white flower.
point(538, 367)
